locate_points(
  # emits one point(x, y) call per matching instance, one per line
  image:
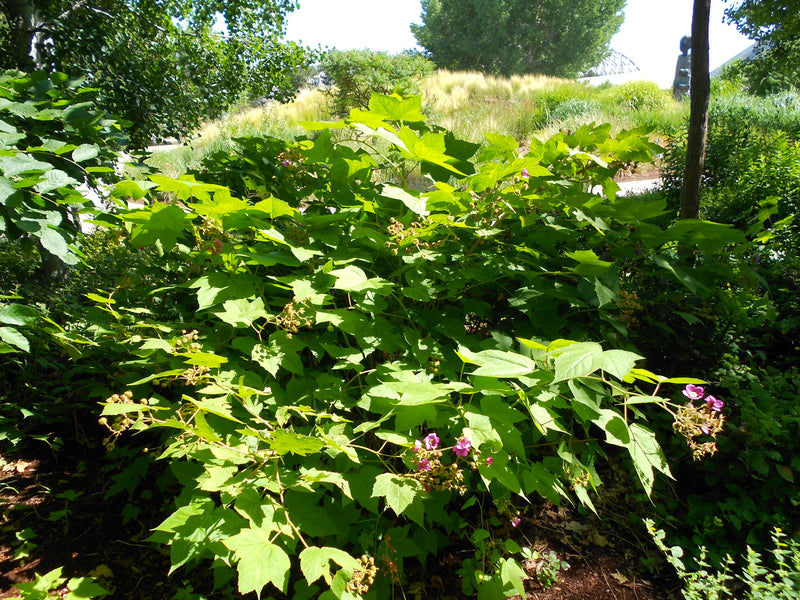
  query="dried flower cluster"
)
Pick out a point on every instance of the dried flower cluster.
point(399, 233)
point(293, 317)
point(700, 421)
point(432, 472)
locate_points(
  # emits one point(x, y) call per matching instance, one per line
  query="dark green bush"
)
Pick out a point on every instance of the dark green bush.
point(352, 76)
point(257, 167)
point(740, 129)
point(53, 140)
point(752, 484)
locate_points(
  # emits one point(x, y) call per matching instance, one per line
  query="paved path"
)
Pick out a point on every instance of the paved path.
point(628, 188)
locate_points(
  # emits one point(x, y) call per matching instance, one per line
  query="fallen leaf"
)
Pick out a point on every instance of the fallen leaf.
point(576, 526)
point(101, 571)
point(21, 465)
point(600, 540)
point(619, 577)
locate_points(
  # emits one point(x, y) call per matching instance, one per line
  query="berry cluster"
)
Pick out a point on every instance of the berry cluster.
point(364, 577)
point(119, 424)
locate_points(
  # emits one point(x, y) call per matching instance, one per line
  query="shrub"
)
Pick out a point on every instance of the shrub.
point(352, 76)
point(638, 96)
point(53, 140)
point(373, 375)
point(573, 112)
point(740, 128)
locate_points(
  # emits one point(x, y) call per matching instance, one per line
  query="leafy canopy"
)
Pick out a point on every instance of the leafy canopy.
point(506, 37)
point(160, 65)
point(352, 76)
point(775, 26)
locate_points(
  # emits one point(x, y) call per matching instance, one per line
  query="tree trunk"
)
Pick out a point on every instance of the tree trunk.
point(21, 15)
point(698, 116)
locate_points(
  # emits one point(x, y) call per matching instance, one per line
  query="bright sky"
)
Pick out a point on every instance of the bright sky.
point(650, 35)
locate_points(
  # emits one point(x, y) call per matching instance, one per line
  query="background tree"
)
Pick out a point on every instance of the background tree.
point(352, 76)
point(160, 65)
point(775, 26)
point(698, 115)
point(506, 37)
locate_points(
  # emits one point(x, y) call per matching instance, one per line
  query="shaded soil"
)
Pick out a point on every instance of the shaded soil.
point(64, 498)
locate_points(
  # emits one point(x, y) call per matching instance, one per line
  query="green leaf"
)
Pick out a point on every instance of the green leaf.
point(497, 363)
point(84, 588)
point(259, 561)
point(20, 163)
point(399, 492)
point(284, 442)
point(513, 575)
point(589, 263)
point(429, 148)
point(275, 207)
point(577, 360)
point(7, 189)
point(416, 204)
point(692, 283)
point(220, 406)
point(395, 108)
point(120, 408)
point(54, 179)
point(281, 352)
point(157, 223)
point(315, 563)
point(18, 314)
point(186, 187)
point(647, 455)
point(13, 337)
point(85, 152)
point(618, 363)
point(53, 240)
point(131, 189)
point(353, 279)
point(415, 393)
point(242, 312)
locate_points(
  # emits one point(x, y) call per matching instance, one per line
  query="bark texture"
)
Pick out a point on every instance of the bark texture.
point(698, 118)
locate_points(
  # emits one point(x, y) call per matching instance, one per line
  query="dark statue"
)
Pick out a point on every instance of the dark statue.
point(682, 81)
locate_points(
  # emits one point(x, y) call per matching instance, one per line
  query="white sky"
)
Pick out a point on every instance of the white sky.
point(650, 35)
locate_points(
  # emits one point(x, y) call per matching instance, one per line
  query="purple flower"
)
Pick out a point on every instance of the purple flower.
point(286, 163)
point(516, 521)
point(417, 446)
point(431, 441)
point(489, 461)
point(424, 465)
point(462, 447)
point(714, 404)
point(525, 174)
point(694, 392)
point(704, 428)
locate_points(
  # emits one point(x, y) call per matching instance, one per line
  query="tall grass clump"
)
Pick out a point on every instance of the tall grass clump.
point(467, 103)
